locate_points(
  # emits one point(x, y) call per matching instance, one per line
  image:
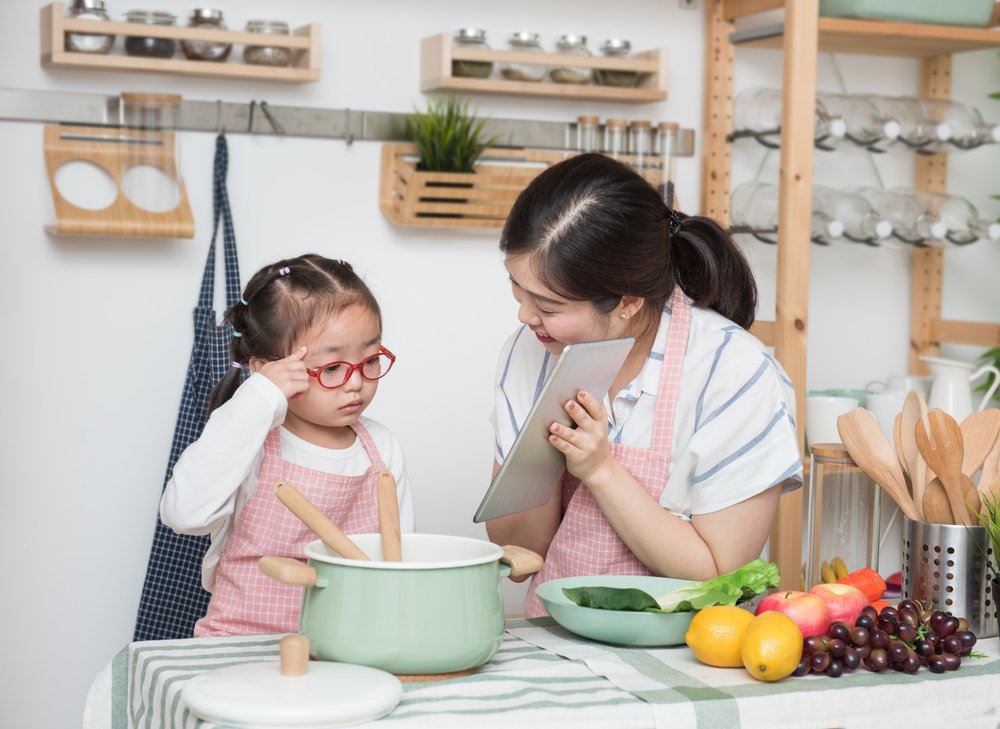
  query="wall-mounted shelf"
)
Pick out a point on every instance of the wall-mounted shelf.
point(880, 38)
point(303, 41)
point(437, 53)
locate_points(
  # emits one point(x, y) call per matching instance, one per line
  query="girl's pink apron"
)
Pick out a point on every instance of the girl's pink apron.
point(246, 601)
point(585, 543)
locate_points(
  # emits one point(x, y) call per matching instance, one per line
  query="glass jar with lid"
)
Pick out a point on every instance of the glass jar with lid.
point(615, 137)
point(666, 142)
point(265, 55)
point(526, 43)
point(89, 42)
point(586, 133)
point(138, 45)
point(206, 50)
point(616, 48)
point(471, 38)
point(571, 45)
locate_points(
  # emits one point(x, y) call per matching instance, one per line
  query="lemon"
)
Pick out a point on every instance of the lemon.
point(716, 634)
point(772, 646)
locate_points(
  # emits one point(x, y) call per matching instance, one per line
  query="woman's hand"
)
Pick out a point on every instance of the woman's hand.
point(586, 447)
point(288, 374)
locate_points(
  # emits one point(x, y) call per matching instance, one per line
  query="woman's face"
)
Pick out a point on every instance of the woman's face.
point(557, 321)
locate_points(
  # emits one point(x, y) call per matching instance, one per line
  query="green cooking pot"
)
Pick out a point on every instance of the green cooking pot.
point(439, 610)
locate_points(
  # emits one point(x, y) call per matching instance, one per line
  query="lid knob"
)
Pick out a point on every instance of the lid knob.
point(294, 652)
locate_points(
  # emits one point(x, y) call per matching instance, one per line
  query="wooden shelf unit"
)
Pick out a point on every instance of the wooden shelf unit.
point(801, 36)
point(303, 41)
point(438, 51)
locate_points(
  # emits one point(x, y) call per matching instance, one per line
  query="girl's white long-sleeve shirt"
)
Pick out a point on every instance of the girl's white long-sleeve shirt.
point(216, 474)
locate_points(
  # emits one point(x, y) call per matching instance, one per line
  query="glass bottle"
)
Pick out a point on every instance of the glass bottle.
point(201, 50)
point(911, 223)
point(864, 125)
point(471, 38)
point(960, 217)
point(526, 43)
point(916, 130)
point(754, 210)
point(862, 224)
point(572, 45)
point(88, 42)
point(615, 138)
point(666, 149)
point(640, 144)
point(616, 48)
point(757, 114)
point(964, 123)
point(586, 134)
point(137, 45)
point(264, 55)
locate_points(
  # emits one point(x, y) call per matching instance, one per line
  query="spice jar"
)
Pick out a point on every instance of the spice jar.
point(616, 48)
point(137, 45)
point(88, 42)
point(204, 50)
point(666, 148)
point(527, 43)
point(640, 142)
point(267, 55)
point(471, 38)
point(615, 137)
point(586, 133)
point(573, 45)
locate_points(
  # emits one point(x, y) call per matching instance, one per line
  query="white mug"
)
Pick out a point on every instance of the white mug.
point(822, 412)
point(920, 383)
point(885, 406)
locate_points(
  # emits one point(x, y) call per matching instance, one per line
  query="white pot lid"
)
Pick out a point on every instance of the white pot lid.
point(257, 695)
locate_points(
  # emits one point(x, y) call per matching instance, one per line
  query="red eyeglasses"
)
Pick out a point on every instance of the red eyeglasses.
point(336, 374)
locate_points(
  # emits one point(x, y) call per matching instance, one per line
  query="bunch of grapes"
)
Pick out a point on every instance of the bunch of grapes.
point(902, 638)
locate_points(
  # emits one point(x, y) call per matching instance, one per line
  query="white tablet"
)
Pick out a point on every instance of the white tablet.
point(533, 466)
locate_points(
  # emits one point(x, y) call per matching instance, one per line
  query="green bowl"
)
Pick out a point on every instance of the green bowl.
point(617, 626)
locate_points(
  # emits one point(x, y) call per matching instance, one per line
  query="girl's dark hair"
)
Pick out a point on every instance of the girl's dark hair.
point(598, 231)
point(282, 301)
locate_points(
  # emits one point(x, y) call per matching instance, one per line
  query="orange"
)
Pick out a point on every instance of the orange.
point(772, 646)
point(716, 634)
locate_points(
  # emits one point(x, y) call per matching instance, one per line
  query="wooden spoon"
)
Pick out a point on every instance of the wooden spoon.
point(914, 409)
point(316, 520)
point(868, 447)
point(936, 506)
point(940, 443)
point(897, 441)
point(979, 435)
point(991, 466)
point(388, 516)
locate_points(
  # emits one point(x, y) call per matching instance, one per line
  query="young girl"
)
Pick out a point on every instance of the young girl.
point(310, 333)
point(679, 470)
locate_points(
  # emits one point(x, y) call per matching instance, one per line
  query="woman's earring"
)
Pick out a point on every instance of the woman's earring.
point(623, 315)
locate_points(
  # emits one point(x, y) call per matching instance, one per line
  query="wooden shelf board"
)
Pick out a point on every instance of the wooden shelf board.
point(879, 38)
point(544, 89)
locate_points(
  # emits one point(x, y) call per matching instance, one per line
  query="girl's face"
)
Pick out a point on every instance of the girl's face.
point(350, 336)
point(557, 321)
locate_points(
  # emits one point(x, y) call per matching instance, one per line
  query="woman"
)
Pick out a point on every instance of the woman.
point(679, 470)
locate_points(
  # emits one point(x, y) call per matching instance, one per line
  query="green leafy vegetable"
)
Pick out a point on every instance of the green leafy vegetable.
point(732, 588)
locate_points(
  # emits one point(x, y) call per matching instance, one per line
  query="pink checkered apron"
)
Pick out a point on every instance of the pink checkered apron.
point(585, 543)
point(246, 601)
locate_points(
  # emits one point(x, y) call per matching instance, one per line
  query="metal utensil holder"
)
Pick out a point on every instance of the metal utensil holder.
point(945, 567)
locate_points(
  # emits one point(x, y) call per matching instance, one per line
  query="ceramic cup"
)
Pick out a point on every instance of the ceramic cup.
point(822, 412)
point(920, 383)
point(885, 405)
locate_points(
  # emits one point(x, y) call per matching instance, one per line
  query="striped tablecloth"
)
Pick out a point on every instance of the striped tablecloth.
point(544, 676)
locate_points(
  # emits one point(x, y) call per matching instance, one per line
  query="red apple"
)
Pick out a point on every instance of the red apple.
point(844, 602)
point(809, 612)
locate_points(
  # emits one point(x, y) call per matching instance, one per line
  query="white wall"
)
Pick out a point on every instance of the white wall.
point(98, 332)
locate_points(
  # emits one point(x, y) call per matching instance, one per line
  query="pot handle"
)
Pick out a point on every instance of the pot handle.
point(289, 571)
point(521, 561)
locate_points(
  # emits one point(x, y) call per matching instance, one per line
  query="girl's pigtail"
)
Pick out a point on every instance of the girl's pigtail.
point(227, 386)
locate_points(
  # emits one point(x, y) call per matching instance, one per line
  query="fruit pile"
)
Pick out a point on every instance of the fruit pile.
point(902, 638)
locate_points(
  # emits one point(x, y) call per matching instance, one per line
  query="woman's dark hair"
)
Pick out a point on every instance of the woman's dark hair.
point(598, 231)
point(282, 301)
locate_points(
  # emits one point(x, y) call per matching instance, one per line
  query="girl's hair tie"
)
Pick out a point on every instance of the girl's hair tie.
point(284, 271)
point(237, 365)
point(674, 221)
point(244, 301)
point(237, 334)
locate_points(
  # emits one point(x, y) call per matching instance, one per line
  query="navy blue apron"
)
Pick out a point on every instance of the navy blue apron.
point(172, 597)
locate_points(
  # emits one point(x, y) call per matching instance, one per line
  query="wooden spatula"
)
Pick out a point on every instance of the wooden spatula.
point(940, 443)
point(979, 435)
point(897, 441)
point(388, 516)
point(936, 506)
point(914, 409)
point(316, 520)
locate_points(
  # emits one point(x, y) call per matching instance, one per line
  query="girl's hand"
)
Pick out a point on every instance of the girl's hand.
point(586, 447)
point(288, 374)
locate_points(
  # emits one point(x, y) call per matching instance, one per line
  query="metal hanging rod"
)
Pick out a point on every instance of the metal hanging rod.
point(350, 125)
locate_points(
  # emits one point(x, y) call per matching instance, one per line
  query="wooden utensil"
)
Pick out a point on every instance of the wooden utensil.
point(388, 516)
point(316, 520)
point(936, 506)
point(939, 440)
point(979, 436)
point(868, 447)
point(991, 466)
point(914, 409)
point(897, 441)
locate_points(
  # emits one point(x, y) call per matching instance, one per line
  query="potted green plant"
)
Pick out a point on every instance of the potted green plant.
point(989, 517)
point(448, 136)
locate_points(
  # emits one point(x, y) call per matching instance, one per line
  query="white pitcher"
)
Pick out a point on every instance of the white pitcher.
point(951, 389)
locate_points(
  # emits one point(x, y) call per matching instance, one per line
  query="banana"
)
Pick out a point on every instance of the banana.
point(826, 572)
point(839, 568)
